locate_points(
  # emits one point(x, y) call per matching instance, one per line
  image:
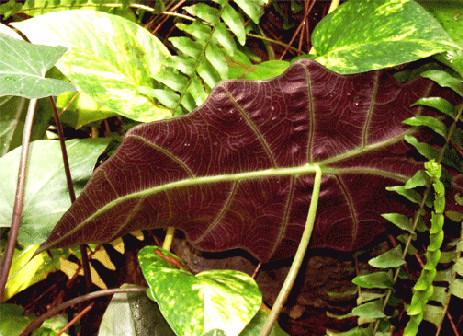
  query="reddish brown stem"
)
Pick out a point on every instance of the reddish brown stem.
point(75, 319)
point(19, 198)
point(52, 312)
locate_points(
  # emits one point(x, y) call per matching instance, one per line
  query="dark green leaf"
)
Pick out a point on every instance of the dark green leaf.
point(445, 79)
point(439, 103)
point(23, 68)
point(375, 280)
point(133, 314)
point(423, 148)
point(433, 123)
point(46, 196)
point(13, 319)
point(370, 310)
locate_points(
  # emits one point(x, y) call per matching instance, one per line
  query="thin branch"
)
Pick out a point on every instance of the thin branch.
point(52, 312)
point(19, 198)
point(298, 258)
point(75, 319)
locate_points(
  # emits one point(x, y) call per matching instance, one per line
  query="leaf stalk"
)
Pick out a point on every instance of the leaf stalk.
point(298, 258)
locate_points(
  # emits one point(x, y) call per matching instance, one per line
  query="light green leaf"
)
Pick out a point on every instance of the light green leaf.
point(25, 272)
point(419, 179)
point(370, 310)
point(204, 12)
point(23, 67)
point(108, 58)
point(52, 326)
point(456, 288)
point(370, 35)
point(375, 280)
point(401, 221)
point(444, 275)
point(392, 258)
point(439, 294)
point(254, 9)
point(458, 267)
point(433, 314)
point(187, 46)
point(193, 305)
point(217, 58)
point(82, 111)
point(46, 196)
point(13, 319)
point(235, 22)
point(267, 70)
point(133, 314)
point(199, 31)
point(222, 37)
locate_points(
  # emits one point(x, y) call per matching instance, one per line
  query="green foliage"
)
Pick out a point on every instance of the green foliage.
point(429, 302)
point(423, 288)
point(194, 304)
point(46, 196)
point(38, 7)
point(24, 75)
point(208, 56)
point(380, 34)
point(109, 59)
point(133, 314)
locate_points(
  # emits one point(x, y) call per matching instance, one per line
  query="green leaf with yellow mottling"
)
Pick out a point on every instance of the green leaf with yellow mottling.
point(196, 304)
point(108, 58)
point(450, 16)
point(371, 35)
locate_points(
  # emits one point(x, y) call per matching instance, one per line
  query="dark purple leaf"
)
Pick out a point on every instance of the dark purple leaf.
point(193, 172)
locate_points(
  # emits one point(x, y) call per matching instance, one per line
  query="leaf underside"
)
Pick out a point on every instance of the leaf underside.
point(236, 172)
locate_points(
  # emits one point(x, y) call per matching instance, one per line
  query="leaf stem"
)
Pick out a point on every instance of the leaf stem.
point(72, 195)
point(298, 258)
point(168, 239)
point(19, 198)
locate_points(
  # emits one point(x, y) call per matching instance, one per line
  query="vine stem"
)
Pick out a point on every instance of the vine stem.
point(52, 312)
point(72, 195)
point(298, 258)
point(19, 198)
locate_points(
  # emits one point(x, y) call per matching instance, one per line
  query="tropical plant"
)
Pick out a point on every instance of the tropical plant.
point(261, 165)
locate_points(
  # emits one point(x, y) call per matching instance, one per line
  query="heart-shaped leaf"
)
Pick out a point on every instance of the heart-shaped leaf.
point(193, 305)
point(238, 171)
point(375, 34)
point(46, 195)
point(23, 67)
point(109, 57)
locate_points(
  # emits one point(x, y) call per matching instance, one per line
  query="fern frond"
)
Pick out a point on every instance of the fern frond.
point(207, 55)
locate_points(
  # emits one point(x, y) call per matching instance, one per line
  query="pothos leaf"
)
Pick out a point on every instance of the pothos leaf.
point(238, 171)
